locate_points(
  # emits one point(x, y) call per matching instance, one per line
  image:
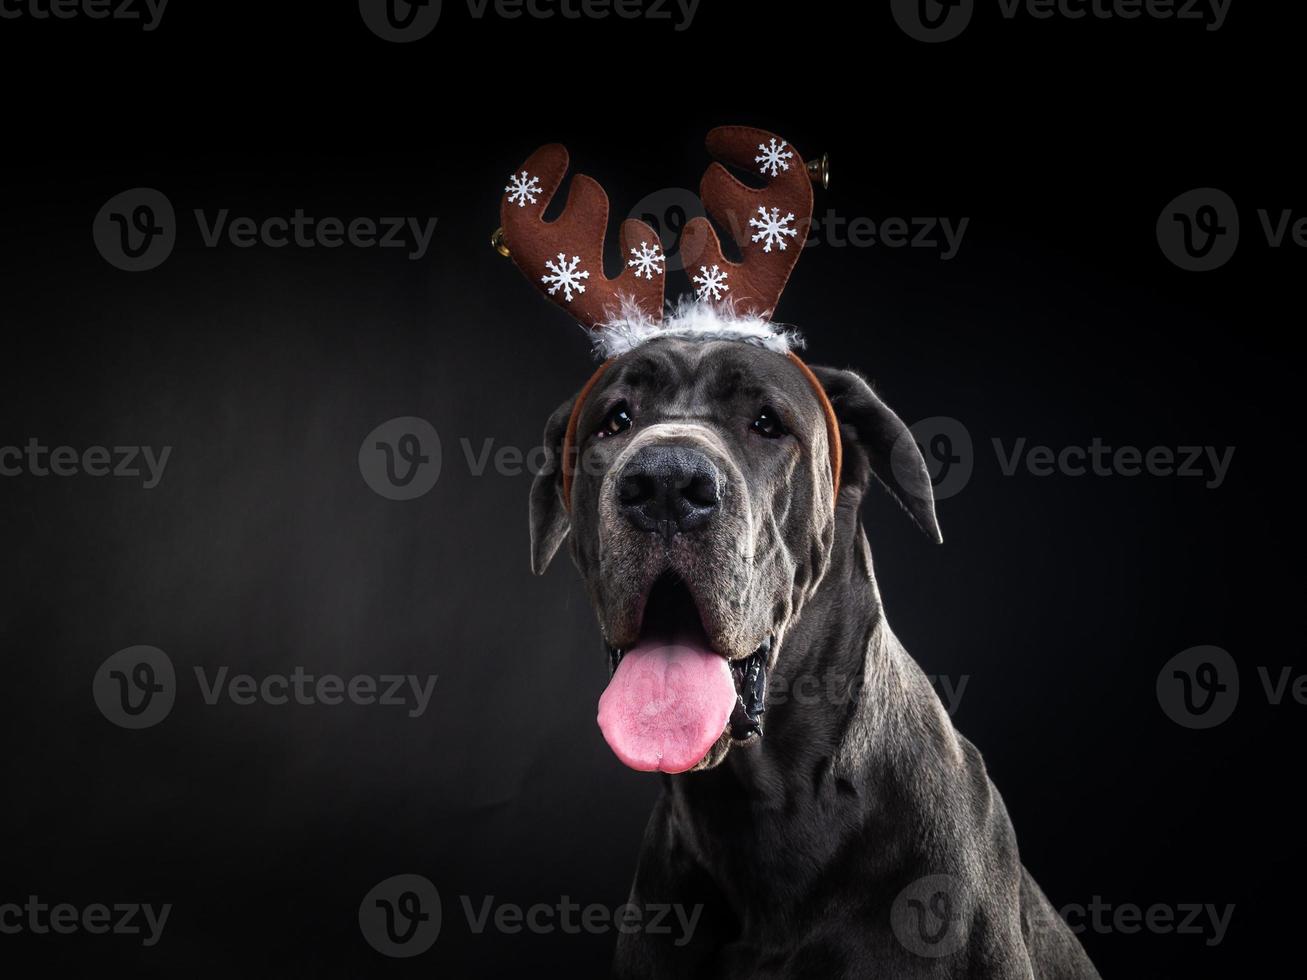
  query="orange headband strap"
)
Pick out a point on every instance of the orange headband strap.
point(832, 423)
point(832, 427)
point(569, 439)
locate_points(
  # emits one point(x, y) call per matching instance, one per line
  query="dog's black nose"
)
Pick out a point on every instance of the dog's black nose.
point(669, 489)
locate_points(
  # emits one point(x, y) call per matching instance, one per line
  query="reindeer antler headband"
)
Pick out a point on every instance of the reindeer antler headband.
point(564, 257)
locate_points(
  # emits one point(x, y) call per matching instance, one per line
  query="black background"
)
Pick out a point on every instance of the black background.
point(1059, 320)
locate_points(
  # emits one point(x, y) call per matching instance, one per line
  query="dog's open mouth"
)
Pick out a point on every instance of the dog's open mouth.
point(671, 696)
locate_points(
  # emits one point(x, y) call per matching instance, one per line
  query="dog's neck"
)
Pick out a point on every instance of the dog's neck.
point(840, 757)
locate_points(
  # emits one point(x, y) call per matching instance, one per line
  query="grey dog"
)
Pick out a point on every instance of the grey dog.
point(860, 836)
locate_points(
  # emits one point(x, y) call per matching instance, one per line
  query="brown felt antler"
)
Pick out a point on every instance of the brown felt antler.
point(769, 224)
point(564, 257)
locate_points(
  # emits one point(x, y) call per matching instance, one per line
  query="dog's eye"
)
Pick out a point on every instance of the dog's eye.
point(617, 421)
point(768, 424)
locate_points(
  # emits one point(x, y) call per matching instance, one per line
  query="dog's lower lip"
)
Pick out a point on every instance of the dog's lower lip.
point(762, 650)
point(750, 674)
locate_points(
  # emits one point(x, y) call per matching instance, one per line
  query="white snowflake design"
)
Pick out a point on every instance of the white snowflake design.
point(774, 158)
point(565, 276)
point(522, 188)
point(711, 283)
point(647, 260)
point(772, 228)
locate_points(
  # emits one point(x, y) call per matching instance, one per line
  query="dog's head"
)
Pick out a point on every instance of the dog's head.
point(696, 472)
point(701, 516)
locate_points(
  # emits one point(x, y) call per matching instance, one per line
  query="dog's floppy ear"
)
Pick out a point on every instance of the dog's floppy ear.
point(549, 520)
point(876, 442)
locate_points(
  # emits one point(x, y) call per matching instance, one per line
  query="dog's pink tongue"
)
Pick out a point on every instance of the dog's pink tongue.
point(666, 705)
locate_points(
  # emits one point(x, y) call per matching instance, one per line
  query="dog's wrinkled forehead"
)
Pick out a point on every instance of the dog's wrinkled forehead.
point(705, 380)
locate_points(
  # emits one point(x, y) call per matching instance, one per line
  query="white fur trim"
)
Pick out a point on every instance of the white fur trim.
point(696, 320)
